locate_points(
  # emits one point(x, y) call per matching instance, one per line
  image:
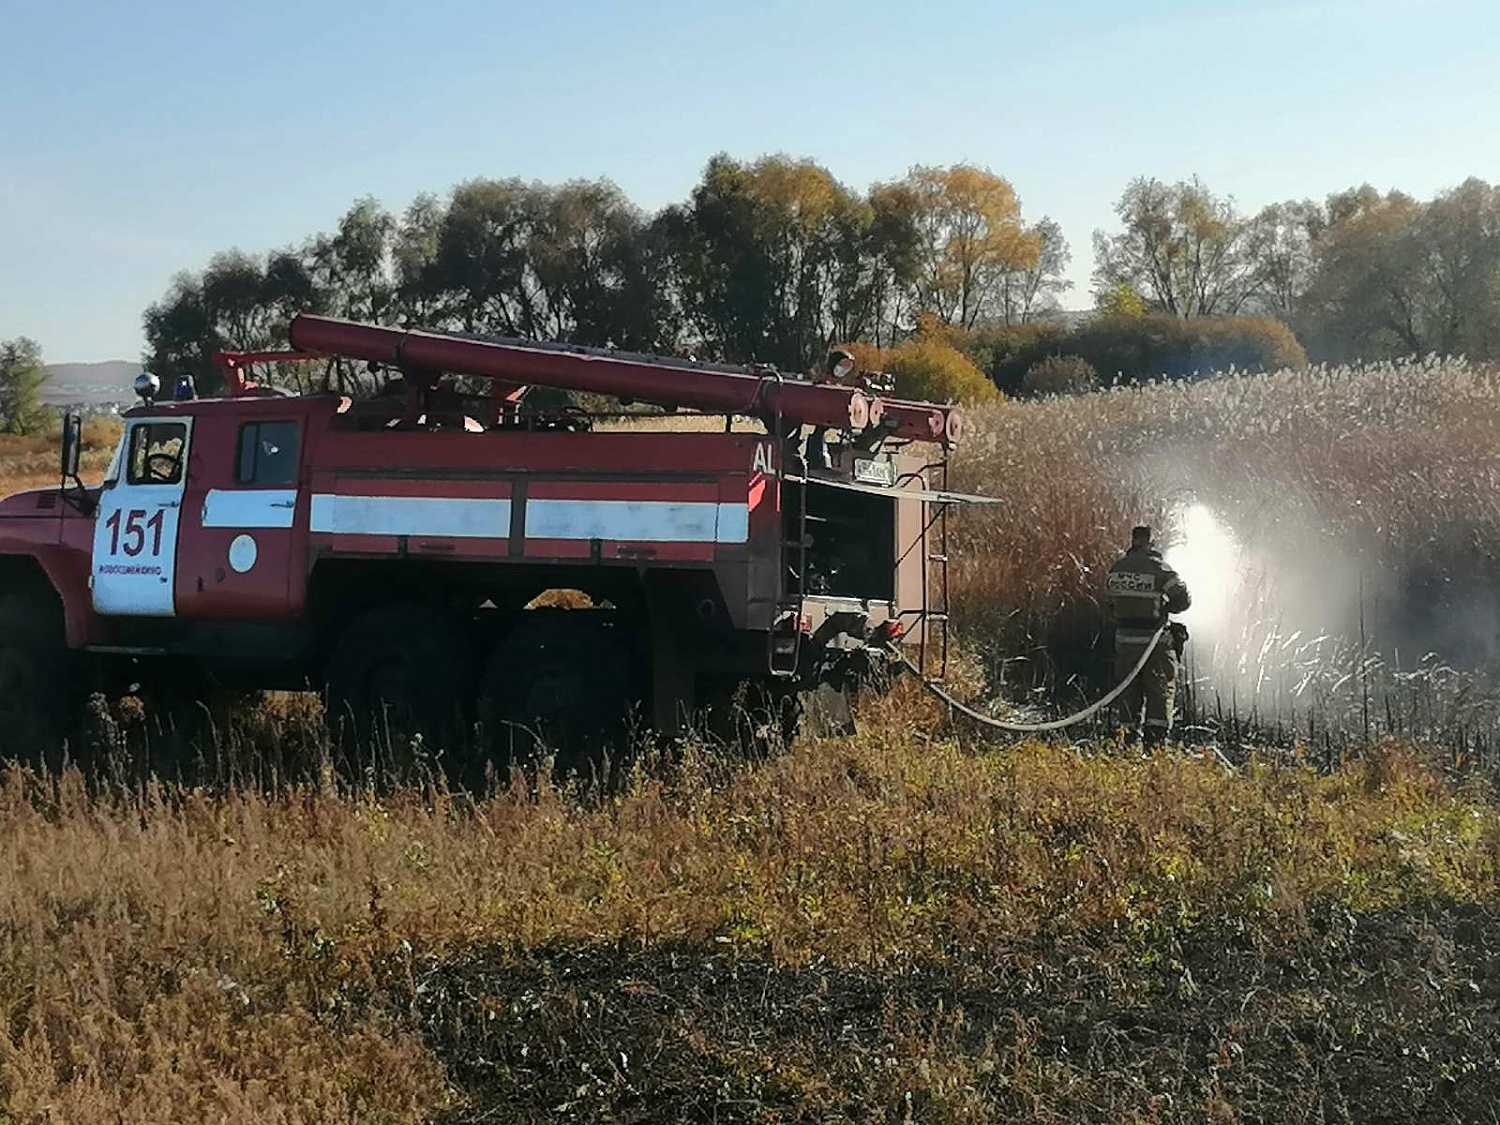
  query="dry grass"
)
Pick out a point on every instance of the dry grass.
point(32, 462)
point(679, 423)
point(1390, 458)
point(317, 954)
point(1369, 492)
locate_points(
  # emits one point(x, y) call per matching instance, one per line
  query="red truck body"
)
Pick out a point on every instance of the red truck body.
point(292, 541)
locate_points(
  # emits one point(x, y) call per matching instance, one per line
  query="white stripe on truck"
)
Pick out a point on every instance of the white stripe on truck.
point(452, 517)
point(249, 507)
point(641, 521)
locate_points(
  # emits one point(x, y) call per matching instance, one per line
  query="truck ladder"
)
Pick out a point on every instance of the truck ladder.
point(793, 580)
point(939, 560)
point(931, 618)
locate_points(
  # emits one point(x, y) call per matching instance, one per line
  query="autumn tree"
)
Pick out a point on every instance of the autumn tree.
point(969, 239)
point(773, 261)
point(1280, 244)
point(21, 379)
point(1033, 291)
point(1120, 299)
point(1392, 275)
point(895, 248)
point(481, 276)
point(1181, 247)
point(1366, 294)
point(1459, 237)
point(578, 263)
point(595, 263)
point(413, 250)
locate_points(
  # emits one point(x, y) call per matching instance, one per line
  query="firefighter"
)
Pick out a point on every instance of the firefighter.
point(1143, 591)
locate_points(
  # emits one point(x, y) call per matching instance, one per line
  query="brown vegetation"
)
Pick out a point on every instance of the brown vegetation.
point(32, 462)
point(929, 368)
point(1060, 375)
point(1383, 475)
point(860, 926)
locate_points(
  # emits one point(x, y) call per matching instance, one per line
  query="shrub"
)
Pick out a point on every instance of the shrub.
point(1131, 349)
point(1060, 375)
point(1125, 347)
point(1008, 351)
point(928, 368)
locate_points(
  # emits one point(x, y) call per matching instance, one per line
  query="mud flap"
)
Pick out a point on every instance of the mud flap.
point(826, 712)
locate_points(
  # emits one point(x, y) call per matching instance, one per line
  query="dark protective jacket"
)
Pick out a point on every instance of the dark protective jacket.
point(1143, 590)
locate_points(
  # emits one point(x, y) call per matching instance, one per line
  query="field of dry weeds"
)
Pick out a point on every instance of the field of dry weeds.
point(908, 924)
point(896, 926)
point(1339, 527)
point(32, 462)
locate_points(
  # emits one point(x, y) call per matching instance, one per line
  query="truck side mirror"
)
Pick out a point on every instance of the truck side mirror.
point(72, 447)
point(72, 440)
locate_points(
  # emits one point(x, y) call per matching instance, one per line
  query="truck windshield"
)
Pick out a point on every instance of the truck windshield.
point(112, 474)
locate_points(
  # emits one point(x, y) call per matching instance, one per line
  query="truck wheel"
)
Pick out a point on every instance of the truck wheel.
point(34, 680)
point(558, 684)
point(401, 671)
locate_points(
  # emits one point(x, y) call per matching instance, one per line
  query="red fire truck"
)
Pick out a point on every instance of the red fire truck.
point(390, 549)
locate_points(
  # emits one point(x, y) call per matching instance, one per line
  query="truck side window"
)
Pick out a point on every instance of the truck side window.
point(156, 452)
point(268, 453)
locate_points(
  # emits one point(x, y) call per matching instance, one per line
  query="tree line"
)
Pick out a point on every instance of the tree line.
point(774, 261)
point(770, 261)
point(1360, 275)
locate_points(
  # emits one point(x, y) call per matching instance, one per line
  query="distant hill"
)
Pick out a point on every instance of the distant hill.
point(90, 384)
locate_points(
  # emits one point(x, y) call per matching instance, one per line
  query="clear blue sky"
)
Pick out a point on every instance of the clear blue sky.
point(138, 139)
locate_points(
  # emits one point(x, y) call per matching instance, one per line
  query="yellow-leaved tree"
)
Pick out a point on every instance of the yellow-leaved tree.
point(772, 261)
point(928, 368)
point(970, 237)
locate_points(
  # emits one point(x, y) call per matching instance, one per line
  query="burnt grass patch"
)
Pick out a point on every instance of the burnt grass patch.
point(1385, 1017)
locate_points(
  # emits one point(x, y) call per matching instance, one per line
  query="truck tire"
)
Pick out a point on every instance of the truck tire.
point(398, 671)
point(559, 683)
point(35, 688)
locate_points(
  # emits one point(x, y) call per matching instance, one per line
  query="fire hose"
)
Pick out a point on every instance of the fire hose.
point(1054, 724)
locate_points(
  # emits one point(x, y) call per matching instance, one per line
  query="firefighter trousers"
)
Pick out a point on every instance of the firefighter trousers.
point(1154, 690)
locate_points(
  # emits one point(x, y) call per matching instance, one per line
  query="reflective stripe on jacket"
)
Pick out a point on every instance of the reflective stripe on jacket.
point(1143, 590)
point(1129, 638)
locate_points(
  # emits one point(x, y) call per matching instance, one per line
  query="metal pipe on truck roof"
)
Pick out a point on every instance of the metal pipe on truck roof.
point(944, 422)
point(665, 383)
point(599, 374)
point(922, 420)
